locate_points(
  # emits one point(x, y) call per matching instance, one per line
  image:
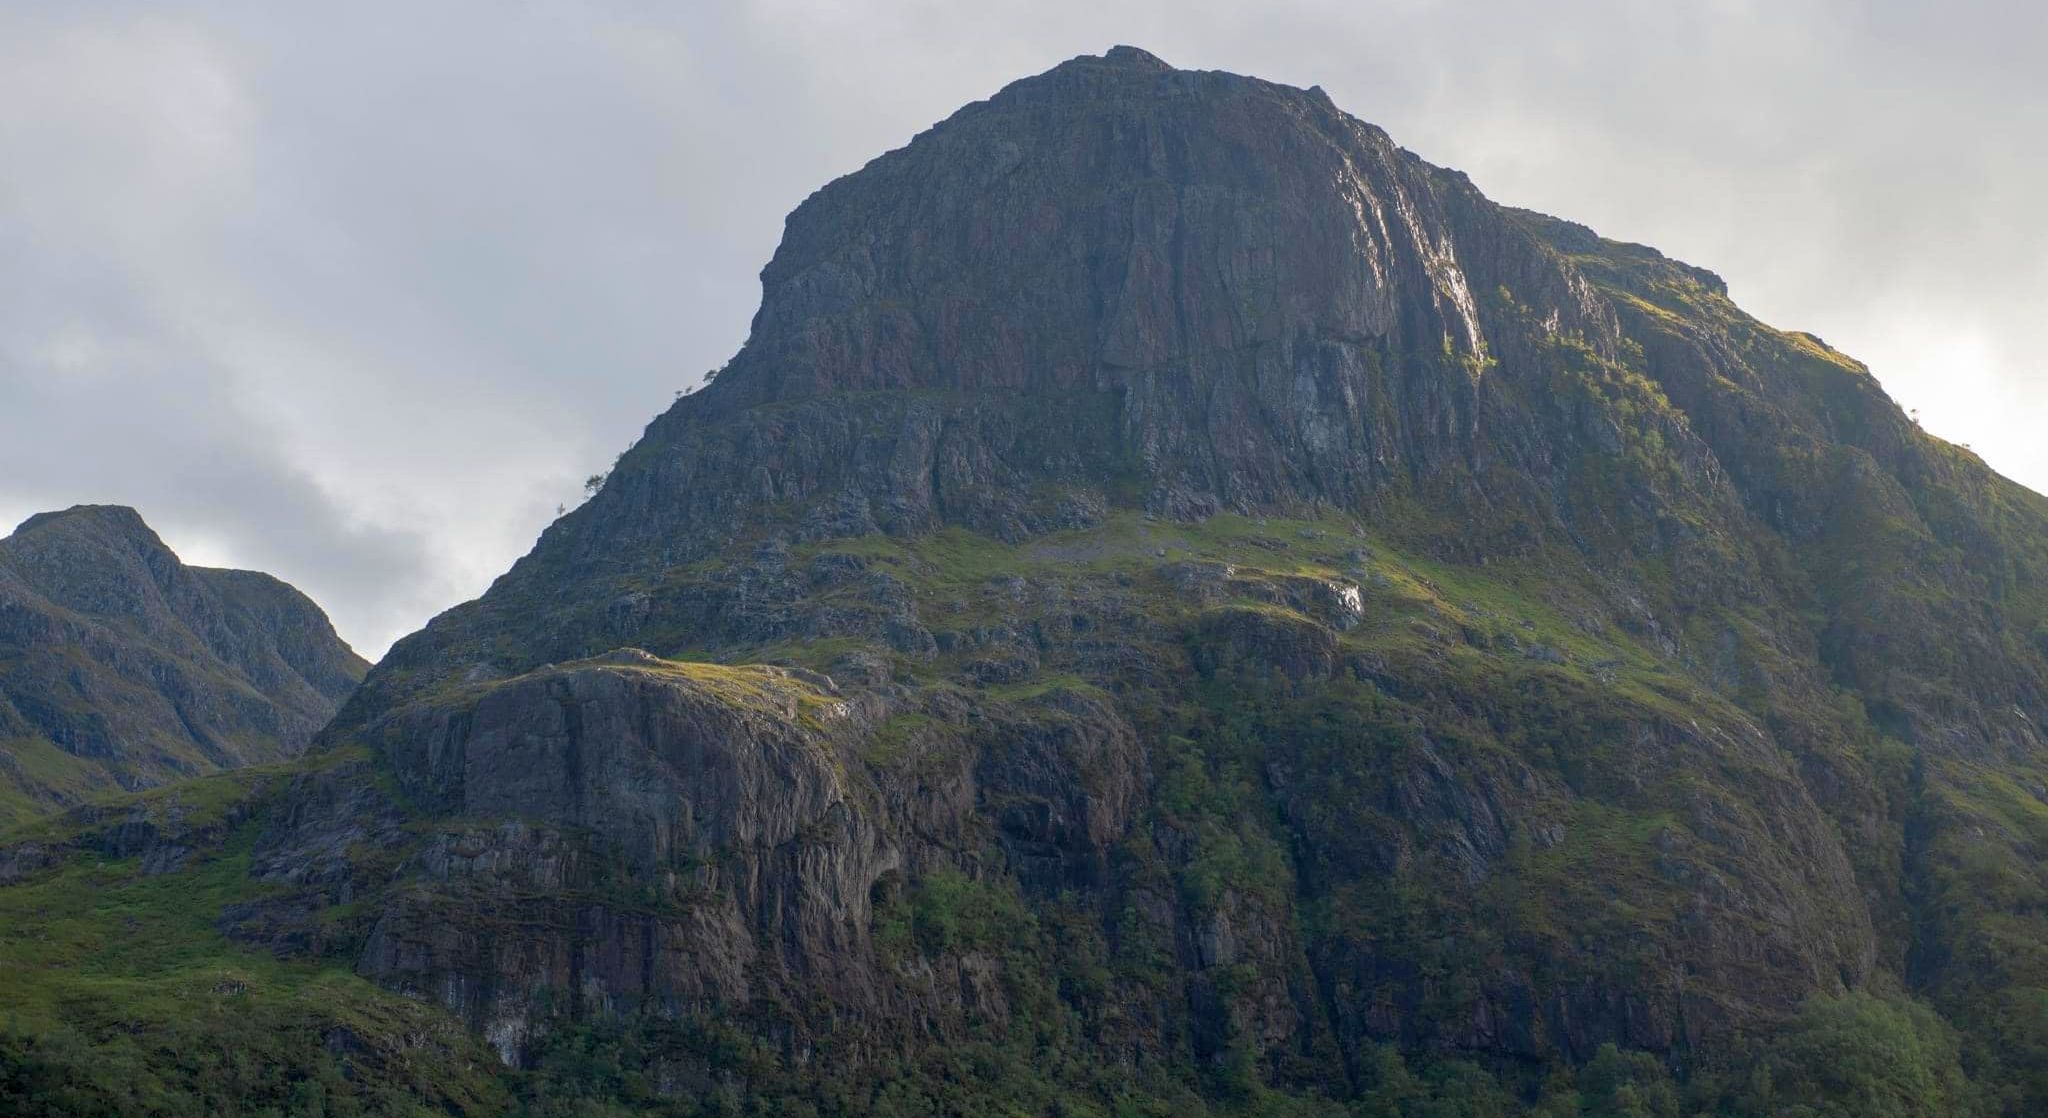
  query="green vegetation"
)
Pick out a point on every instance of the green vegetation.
point(1666, 753)
point(119, 996)
point(1494, 777)
point(946, 911)
point(36, 778)
point(1861, 1056)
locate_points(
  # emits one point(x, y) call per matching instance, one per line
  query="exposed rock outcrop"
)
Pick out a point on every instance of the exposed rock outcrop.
point(999, 454)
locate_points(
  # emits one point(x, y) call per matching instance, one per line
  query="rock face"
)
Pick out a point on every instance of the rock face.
point(1352, 611)
point(1178, 599)
point(122, 668)
point(1245, 298)
point(698, 781)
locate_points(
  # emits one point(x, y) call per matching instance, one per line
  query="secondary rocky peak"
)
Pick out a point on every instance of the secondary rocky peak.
point(116, 519)
point(82, 530)
point(96, 558)
point(120, 666)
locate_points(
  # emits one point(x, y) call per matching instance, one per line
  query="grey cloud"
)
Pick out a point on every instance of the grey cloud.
point(359, 293)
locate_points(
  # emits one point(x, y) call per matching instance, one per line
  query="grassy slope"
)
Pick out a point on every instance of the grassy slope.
point(37, 778)
point(1929, 581)
point(120, 995)
point(120, 991)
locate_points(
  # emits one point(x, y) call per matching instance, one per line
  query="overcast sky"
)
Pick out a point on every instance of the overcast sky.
point(357, 293)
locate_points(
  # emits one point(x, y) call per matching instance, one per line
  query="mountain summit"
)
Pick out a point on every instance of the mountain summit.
point(122, 668)
point(1245, 298)
point(1181, 605)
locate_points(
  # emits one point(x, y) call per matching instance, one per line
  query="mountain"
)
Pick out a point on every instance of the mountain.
point(1179, 606)
point(122, 668)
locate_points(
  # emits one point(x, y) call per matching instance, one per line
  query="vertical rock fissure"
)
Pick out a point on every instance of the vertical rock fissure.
point(1924, 952)
point(572, 751)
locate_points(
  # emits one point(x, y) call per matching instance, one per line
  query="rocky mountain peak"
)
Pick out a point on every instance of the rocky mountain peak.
point(1136, 58)
point(1181, 606)
point(119, 520)
point(1118, 283)
point(96, 558)
point(1114, 221)
point(122, 666)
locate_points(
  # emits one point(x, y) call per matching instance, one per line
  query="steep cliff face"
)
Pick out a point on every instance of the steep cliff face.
point(1006, 387)
point(121, 668)
point(1241, 297)
point(1178, 599)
